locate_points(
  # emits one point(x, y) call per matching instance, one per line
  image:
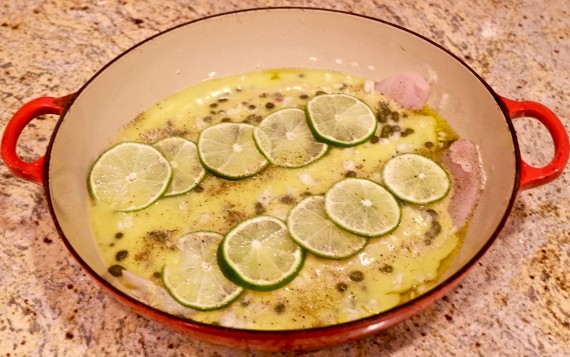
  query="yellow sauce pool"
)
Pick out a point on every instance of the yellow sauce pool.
point(394, 267)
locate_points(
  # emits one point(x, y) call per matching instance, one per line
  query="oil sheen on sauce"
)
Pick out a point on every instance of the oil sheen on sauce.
point(389, 271)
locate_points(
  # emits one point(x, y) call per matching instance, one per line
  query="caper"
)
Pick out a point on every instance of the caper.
point(280, 308)
point(304, 96)
point(407, 132)
point(395, 116)
point(252, 118)
point(350, 174)
point(356, 276)
point(269, 105)
point(436, 227)
point(384, 108)
point(223, 99)
point(213, 105)
point(374, 139)
point(320, 92)
point(432, 213)
point(386, 130)
point(119, 235)
point(116, 270)
point(341, 287)
point(251, 107)
point(387, 269)
point(428, 144)
point(434, 230)
point(121, 255)
point(381, 117)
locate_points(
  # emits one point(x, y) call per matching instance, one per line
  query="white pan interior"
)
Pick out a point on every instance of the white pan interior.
point(251, 40)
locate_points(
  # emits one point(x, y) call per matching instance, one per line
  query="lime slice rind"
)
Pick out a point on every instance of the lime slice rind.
point(341, 119)
point(259, 254)
point(187, 170)
point(286, 140)
point(129, 176)
point(312, 229)
point(195, 280)
point(362, 207)
point(228, 150)
point(416, 179)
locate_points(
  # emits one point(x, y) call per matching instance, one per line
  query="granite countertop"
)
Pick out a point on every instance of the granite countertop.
point(515, 302)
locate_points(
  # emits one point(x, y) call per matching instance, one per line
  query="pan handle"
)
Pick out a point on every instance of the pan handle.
point(31, 171)
point(536, 176)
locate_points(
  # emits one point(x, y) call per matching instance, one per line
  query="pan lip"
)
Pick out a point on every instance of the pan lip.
point(304, 333)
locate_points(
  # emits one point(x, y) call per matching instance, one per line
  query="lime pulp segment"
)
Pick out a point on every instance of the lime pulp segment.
point(286, 140)
point(416, 179)
point(311, 228)
point(195, 279)
point(229, 151)
point(362, 207)
point(259, 254)
point(187, 171)
point(341, 119)
point(130, 176)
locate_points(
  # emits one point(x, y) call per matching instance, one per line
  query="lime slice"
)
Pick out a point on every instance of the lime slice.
point(130, 176)
point(286, 140)
point(259, 254)
point(341, 119)
point(312, 229)
point(416, 179)
point(187, 171)
point(195, 279)
point(362, 207)
point(229, 151)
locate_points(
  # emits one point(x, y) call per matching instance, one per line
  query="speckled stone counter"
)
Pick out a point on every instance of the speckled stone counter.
point(515, 302)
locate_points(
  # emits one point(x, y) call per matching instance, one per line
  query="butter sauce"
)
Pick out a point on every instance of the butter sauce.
point(388, 271)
